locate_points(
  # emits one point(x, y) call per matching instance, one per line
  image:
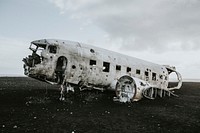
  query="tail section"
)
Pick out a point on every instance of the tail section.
point(179, 78)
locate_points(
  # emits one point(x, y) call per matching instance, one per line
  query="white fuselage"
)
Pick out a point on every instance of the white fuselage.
point(94, 67)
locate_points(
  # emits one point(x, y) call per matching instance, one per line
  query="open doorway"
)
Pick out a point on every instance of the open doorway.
point(61, 66)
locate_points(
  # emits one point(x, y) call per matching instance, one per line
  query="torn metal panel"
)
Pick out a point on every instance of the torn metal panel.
point(73, 63)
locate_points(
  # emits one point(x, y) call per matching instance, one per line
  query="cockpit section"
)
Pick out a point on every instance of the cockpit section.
point(41, 62)
point(35, 58)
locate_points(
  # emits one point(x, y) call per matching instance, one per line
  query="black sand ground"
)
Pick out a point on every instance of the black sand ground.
point(27, 105)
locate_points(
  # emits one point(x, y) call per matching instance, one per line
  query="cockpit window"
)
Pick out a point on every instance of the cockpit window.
point(35, 58)
point(36, 47)
point(33, 47)
point(52, 49)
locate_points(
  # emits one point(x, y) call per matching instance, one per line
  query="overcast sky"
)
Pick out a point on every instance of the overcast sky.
point(160, 31)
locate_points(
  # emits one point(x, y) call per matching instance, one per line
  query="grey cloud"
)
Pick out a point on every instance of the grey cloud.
point(142, 24)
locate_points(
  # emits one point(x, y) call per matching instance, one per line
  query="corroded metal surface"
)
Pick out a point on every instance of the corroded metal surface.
point(72, 63)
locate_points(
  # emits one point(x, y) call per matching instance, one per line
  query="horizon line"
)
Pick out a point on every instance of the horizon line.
point(172, 80)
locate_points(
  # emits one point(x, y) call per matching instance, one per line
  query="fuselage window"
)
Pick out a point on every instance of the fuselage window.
point(118, 67)
point(93, 62)
point(146, 73)
point(153, 76)
point(137, 71)
point(52, 49)
point(106, 66)
point(128, 69)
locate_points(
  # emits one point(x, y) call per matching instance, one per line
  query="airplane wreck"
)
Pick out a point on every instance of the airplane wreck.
point(76, 64)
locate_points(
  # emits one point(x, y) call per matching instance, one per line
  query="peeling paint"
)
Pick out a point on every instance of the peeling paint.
point(72, 63)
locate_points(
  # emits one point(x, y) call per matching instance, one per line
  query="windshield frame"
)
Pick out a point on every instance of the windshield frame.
point(35, 47)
